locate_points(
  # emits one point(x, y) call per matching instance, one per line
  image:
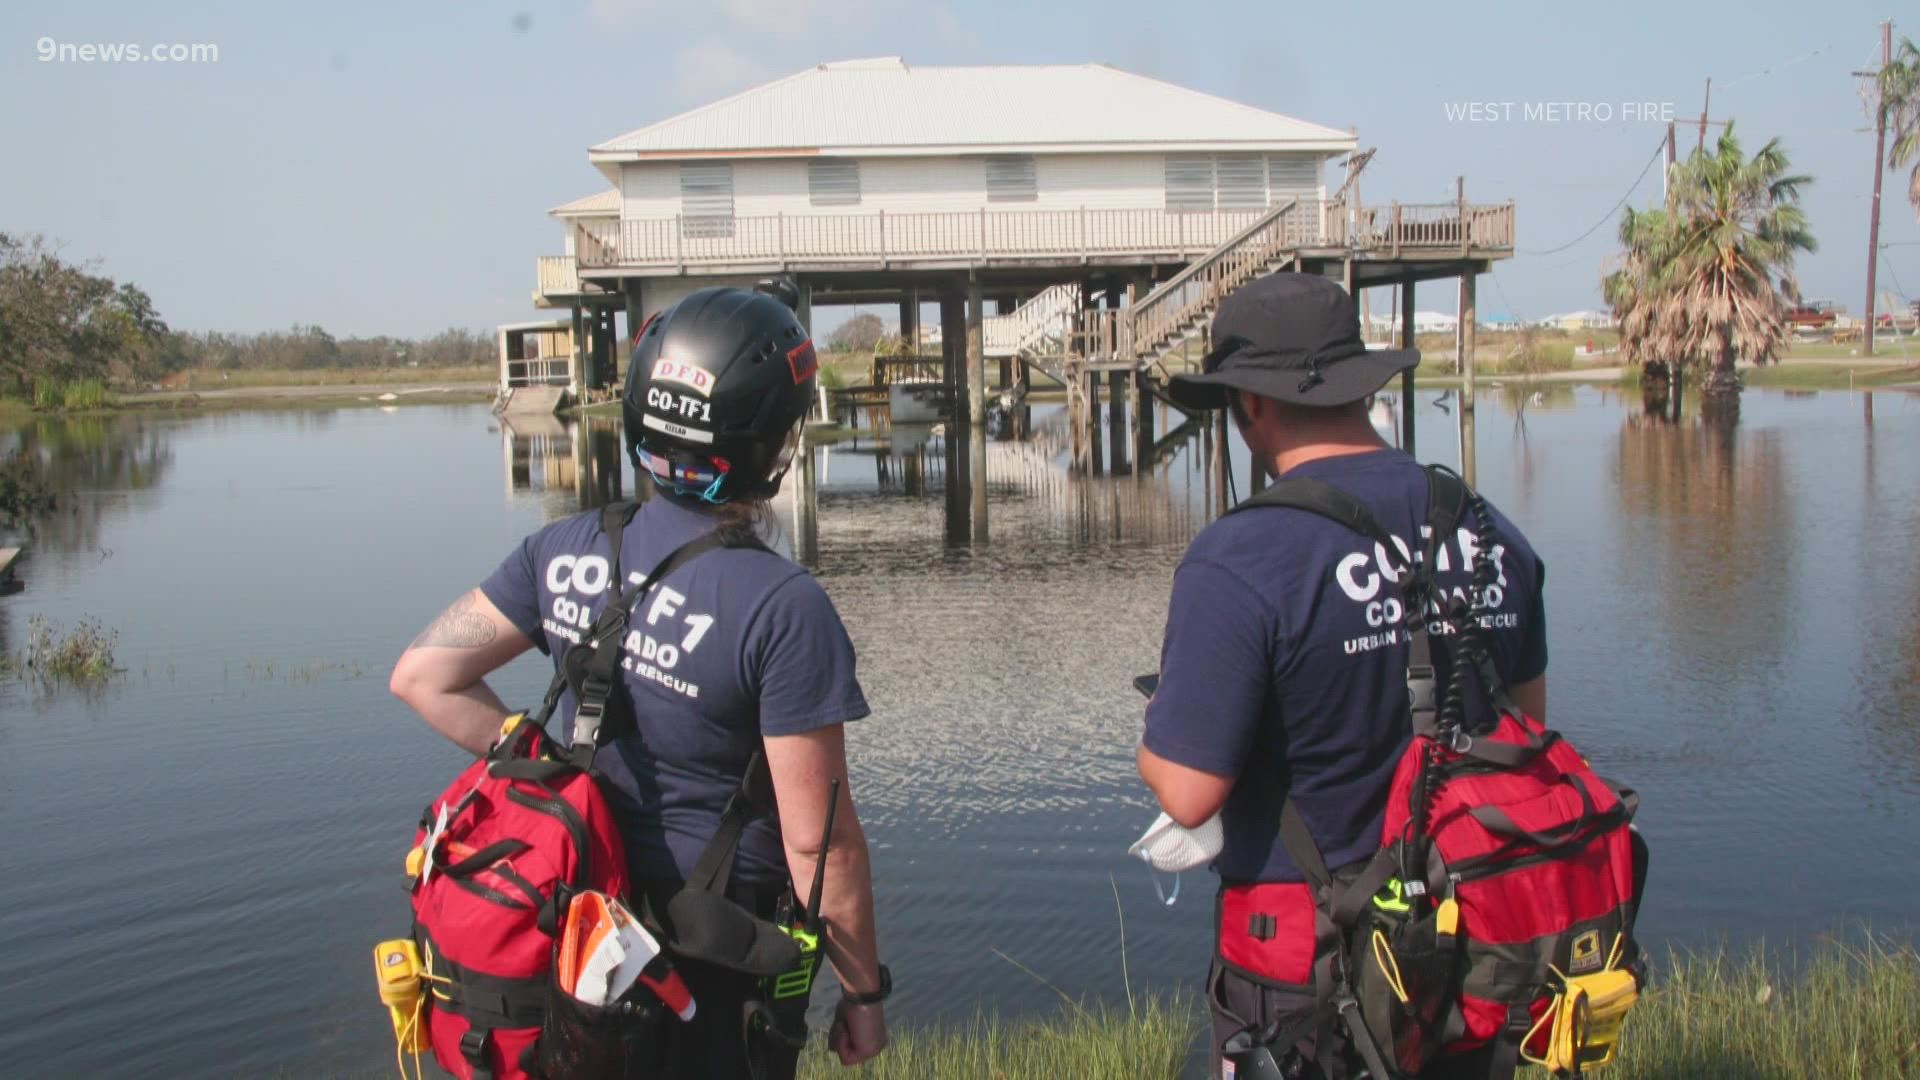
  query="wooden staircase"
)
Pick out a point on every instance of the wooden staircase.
point(1183, 305)
point(1142, 334)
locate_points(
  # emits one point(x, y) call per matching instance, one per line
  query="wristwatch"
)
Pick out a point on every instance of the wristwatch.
point(875, 997)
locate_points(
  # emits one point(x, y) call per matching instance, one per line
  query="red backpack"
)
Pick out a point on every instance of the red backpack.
point(500, 854)
point(495, 860)
point(1498, 913)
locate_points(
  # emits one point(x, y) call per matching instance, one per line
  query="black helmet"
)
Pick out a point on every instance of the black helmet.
point(717, 391)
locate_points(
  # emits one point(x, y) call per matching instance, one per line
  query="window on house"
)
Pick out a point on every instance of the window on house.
point(1010, 178)
point(1240, 182)
point(833, 183)
point(1190, 183)
point(1293, 176)
point(706, 201)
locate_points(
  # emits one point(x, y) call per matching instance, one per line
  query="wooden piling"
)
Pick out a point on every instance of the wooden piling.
point(1468, 445)
point(1095, 452)
point(578, 376)
point(977, 406)
point(910, 323)
point(1220, 451)
point(1140, 411)
point(1406, 377)
point(953, 346)
point(1468, 316)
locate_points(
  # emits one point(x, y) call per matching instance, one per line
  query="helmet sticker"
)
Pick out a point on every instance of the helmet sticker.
point(803, 362)
point(698, 379)
point(676, 430)
point(686, 405)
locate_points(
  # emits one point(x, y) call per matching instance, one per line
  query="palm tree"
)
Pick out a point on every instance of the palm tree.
point(1646, 339)
point(1897, 93)
point(1697, 284)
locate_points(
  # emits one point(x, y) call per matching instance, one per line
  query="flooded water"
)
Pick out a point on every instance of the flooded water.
point(199, 857)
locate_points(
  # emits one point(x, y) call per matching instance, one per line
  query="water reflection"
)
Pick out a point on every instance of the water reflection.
point(1707, 507)
point(574, 464)
point(944, 480)
point(98, 467)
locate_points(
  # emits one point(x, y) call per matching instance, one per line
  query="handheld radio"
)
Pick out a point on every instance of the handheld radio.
point(797, 982)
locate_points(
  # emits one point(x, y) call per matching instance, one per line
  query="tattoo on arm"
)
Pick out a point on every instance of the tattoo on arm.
point(458, 627)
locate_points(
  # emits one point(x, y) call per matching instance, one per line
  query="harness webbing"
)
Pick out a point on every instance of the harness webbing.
point(1448, 499)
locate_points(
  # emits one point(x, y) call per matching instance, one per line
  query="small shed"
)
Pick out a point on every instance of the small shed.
point(535, 354)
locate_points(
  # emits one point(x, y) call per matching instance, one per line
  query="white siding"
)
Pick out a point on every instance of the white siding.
point(658, 294)
point(651, 190)
point(1100, 181)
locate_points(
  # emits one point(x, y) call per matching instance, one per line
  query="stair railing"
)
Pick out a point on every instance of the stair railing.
point(1198, 289)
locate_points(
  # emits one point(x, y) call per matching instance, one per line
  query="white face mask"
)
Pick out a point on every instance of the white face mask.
point(1170, 848)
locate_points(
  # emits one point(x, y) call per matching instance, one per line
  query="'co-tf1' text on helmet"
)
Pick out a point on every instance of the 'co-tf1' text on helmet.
point(717, 391)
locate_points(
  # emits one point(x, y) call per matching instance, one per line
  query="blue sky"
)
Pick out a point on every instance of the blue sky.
point(385, 168)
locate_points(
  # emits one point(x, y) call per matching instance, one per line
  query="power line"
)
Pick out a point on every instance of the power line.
point(1658, 149)
point(1511, 309)
point(1781, 66)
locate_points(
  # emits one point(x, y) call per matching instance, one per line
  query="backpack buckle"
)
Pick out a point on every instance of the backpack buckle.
point(1423, 689)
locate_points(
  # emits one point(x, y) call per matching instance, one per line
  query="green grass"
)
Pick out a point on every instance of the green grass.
point(1845, 1010)
point(1791, 376)
point(1085, 1042)
point(71, 395)
point(1834, 1009)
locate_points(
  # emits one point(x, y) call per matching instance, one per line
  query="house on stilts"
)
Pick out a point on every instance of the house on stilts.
point(1103, 214)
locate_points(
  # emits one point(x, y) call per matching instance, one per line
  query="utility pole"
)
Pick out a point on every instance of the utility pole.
point(1879, 167)
point(1666, 178)
point(1704, 103)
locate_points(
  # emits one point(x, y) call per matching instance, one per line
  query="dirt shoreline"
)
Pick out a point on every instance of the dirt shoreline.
point(338, 396)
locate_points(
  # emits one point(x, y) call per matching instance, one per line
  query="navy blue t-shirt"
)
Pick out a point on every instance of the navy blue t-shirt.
point(1281, 654)
point(734, 645)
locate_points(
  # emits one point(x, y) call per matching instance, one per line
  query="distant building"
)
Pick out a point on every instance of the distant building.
point(1580, 320)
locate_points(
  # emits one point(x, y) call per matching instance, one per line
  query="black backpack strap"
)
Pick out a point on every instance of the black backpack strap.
point(1447, 500)
point(1320, 497)
point(601, 672)
point(614, 518)
point(713, 871)
point(1446, 503)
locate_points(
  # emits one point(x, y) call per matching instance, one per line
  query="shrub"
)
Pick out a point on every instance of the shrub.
point(83, 654)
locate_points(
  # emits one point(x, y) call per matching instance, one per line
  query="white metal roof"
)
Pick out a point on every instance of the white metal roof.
point(875, 107)
point(599, 204)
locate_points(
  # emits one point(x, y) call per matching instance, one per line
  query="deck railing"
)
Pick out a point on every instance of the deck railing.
point(887, 237)
point(905, 237)
point(557, 275)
